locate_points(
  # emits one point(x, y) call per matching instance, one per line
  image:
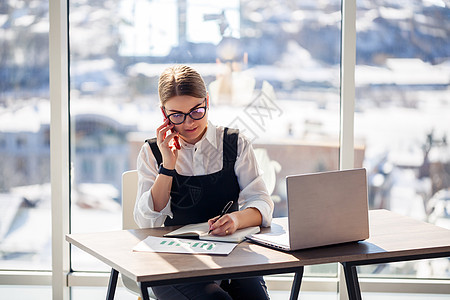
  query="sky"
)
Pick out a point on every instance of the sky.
point(142, 34)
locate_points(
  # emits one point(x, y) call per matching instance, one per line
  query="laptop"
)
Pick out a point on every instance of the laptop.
point(323, 209)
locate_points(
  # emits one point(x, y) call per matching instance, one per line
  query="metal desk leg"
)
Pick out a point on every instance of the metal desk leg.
point(112, 284)
point(351, 279)
point(144, 291)
point(295, 289)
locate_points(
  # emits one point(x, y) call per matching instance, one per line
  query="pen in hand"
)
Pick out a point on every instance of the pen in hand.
point(224, 211)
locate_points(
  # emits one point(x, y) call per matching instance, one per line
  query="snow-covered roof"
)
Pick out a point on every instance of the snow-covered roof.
point(403, 72)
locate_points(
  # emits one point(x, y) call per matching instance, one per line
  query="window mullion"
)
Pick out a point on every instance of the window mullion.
point(59, 146)
point(346, 131)
point(348, 59)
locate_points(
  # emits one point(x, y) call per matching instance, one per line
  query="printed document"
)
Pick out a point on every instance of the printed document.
point(176, 245)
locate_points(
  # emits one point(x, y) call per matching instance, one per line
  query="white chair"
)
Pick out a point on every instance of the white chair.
point(129, 192)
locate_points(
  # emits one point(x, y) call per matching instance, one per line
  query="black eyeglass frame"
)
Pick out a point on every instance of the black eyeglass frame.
point(187, 114)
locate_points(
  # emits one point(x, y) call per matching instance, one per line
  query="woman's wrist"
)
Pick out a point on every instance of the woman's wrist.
point(166, 171)
point(247, 217)
point(168, 165)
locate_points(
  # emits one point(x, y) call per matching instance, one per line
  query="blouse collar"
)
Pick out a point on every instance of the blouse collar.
point(210, 137)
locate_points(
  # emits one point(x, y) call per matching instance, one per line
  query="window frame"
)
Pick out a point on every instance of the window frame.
point(59, 146)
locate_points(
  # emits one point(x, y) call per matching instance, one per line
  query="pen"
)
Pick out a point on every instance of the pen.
point(224, 211)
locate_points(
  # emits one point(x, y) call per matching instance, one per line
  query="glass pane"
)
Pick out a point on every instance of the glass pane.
point(404, 296)
point(272, 69)
point(25, 292)
point(25, 216)
point(81, 293)
point(403, 108)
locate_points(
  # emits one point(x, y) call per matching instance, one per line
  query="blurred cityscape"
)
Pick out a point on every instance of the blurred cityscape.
point(242, 48)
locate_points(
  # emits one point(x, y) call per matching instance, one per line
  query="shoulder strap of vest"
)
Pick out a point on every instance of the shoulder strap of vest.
point(230, 139)
point(155, 150)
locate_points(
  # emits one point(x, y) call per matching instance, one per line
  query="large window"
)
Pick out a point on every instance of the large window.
point(268, 68)
point(402, 115)
point(25, 215)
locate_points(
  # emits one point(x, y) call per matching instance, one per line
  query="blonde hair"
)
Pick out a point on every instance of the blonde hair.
point(180, 80)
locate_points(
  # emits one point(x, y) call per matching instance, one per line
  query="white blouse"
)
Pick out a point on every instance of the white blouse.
point(205, 157)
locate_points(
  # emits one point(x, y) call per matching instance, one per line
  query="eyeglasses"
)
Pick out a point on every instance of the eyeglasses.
point(195, 114)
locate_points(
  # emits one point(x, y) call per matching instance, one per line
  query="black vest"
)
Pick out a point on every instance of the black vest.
point(195, 199)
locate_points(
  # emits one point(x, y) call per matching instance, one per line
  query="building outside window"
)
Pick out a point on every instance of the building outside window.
point(25, 215)
point(402, 104)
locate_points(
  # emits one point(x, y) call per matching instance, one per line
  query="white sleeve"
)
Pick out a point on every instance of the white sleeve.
point(144, 213)
point(253, 189)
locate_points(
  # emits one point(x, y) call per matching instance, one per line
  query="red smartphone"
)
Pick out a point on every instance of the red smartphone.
point(176, 142)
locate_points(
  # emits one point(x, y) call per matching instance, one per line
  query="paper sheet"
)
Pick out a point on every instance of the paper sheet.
point(176, 245)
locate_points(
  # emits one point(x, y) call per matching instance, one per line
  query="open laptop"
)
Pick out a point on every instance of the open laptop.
point(323, 209)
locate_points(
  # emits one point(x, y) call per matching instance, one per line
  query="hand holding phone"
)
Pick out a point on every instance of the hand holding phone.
point(176, 141)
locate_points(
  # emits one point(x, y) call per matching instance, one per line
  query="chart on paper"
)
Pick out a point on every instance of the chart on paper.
point(177, 245)
point(187, 244)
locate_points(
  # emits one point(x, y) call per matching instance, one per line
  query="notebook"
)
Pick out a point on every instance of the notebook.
point(200, 231)
point(323, 209)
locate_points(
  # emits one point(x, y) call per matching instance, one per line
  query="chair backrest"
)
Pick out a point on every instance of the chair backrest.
point(129, 192)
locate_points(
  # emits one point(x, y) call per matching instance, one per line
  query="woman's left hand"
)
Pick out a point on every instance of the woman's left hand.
point(225, 225)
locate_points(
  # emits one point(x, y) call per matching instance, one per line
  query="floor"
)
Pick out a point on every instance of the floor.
point(92, 293)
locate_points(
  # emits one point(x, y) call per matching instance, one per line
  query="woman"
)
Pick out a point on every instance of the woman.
point(190, 171)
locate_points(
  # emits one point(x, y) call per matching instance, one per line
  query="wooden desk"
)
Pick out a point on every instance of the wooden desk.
point(392, 238)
